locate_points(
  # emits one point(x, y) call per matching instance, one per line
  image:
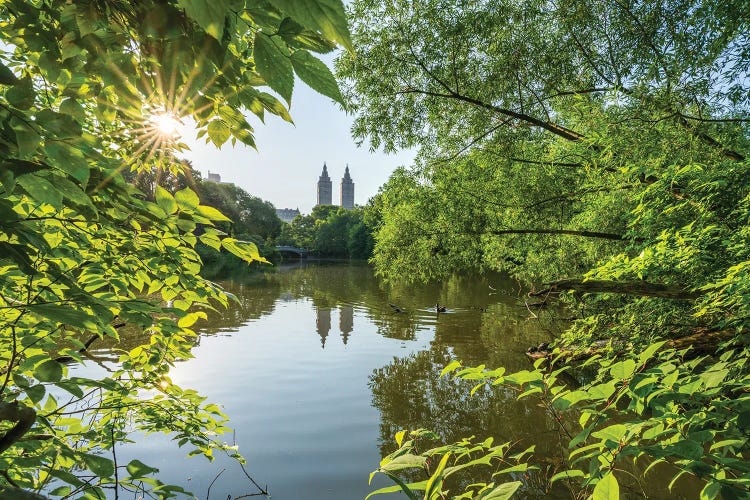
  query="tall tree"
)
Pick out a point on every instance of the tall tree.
point(604, 142)
point(90, 91)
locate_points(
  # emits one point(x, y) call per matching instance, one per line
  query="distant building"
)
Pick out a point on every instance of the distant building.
point(287, 214)
point(325, 188)
point(216, 178)
point(347, 190)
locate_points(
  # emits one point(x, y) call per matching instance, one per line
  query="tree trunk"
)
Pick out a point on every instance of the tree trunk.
point(639, 288)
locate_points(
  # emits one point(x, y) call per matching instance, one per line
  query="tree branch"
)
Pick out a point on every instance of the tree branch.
point(568, 232)
point(640, 288)
point(24, 418)
point(556, 129)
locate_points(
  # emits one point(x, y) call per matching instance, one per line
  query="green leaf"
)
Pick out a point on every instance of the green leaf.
point(71, 387)
point(650, 351)
point(711, 490)
point(502, 492)
point(407, 489)
point(613, 433)
point(61, 491)
point(186, 198)
point(272, 62)
point(743, 420)
point(316, 74)
point(400, 437)
point(40, 189)
point(165, 200)
point(436, 480)
point(622, 369)
point(48, 371)
point(326, 16)
point(212, 213)
point(209, 14)
point(66, 315)
point(137, 469)
point(21, 95)
point(27, 138)
point(218, 132)
point(59, 124)
point(102, 467)
point(72, 192)
point(452, 366)
point(567, 474)
point(68, 159)
point(36, 392)
point(7, 77)
point(607, 488)
point(273, 105)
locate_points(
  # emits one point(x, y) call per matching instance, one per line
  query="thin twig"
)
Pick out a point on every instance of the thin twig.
point(208, 493)
point(263, 491)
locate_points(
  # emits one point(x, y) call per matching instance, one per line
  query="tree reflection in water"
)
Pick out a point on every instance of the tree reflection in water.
point(485, 324)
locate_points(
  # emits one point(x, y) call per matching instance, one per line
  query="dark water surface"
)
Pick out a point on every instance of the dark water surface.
point(317, 373)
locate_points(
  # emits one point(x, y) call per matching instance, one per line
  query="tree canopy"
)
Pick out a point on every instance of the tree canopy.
point(85, 255)
point(598, 152)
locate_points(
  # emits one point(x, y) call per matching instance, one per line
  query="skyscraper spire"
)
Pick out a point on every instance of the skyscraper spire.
point(347, 190)
point(325, 188)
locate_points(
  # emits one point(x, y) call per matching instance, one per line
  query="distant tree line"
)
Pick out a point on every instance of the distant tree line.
point(331, 231)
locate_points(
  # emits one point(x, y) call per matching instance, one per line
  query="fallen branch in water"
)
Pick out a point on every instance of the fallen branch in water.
point(640, 288)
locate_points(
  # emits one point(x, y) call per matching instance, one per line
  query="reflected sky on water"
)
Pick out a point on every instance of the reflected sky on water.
point(318, 372)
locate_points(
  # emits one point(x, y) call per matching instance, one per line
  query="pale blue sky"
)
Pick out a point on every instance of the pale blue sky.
point(290, 158)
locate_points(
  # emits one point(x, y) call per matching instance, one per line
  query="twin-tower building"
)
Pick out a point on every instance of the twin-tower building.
point(325, 189)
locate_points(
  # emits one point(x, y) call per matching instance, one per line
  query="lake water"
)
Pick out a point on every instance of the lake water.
point(317, 373)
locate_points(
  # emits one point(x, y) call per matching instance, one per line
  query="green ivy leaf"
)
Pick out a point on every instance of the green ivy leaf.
point(316, 74)
point(272, 62)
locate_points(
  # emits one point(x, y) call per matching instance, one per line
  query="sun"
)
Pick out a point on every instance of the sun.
point(166, 124)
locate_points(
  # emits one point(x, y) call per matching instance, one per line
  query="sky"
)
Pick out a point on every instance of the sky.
point(289, 160)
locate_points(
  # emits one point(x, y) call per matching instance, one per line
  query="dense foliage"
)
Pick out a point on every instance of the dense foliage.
point(331, 231)
point(85, 255)
point(599, 148)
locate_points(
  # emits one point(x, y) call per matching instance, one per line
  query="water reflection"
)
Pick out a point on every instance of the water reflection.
point(346, 322)
point(323, 324)
point(485, 324)
point(318, 372)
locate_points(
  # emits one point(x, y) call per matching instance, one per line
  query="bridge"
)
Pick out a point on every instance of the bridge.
point(289, 251)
